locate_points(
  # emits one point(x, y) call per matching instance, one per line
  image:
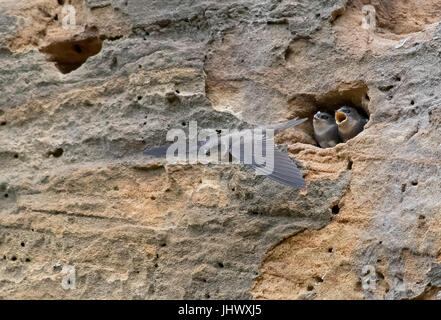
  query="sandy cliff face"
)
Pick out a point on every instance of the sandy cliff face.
point(83, 214)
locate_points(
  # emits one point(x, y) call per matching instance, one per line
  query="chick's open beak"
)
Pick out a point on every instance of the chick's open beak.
point(340, 117)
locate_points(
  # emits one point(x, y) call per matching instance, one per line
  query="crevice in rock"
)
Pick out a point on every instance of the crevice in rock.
point(71, 54)
point(404, 17)
point(378, 26)
point(394, 17)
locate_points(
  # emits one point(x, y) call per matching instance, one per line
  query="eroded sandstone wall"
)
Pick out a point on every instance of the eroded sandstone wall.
point(83, 214)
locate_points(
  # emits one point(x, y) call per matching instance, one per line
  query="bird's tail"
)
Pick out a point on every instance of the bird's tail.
point(279, 127)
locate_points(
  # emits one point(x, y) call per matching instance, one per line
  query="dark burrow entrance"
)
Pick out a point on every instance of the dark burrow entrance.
point(352, 95)
point(69, 55)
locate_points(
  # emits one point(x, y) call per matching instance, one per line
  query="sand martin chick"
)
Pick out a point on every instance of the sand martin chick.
point(350, 122)
point(325, 130)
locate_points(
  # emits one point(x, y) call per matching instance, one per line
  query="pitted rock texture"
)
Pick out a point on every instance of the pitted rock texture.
point(83, 214)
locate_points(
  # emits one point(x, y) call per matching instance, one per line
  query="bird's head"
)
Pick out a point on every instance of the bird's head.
point(346, 116)
point(323, 120)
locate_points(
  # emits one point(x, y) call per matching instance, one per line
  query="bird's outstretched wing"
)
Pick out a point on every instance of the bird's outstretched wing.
point(284, 170)
point(279, 127)
point(161, 151)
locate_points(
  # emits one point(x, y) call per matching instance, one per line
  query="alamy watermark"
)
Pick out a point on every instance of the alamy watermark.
point(68, 20)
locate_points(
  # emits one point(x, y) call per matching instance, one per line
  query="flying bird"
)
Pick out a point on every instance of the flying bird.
point(279, 167)
point(325, 130)
point(350, 122)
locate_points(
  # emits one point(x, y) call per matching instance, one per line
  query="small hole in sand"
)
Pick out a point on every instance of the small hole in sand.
point(77, 48)
point(386, 88)
point(318, 279)
point(57, 152)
